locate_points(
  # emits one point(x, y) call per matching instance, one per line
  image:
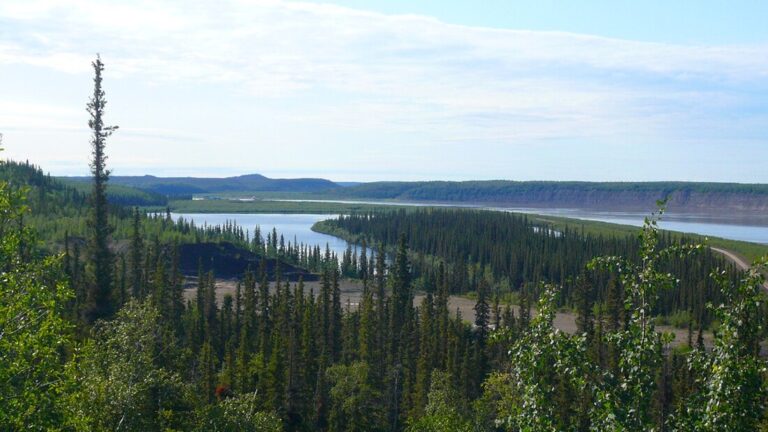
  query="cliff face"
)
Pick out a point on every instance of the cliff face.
point(631, 200)
point(683, 196)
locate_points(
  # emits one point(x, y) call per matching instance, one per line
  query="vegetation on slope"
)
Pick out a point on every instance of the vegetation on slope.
point(187, 186)
point(683, 196)
point(269, 206)
point(482, 189)
point(283, 359)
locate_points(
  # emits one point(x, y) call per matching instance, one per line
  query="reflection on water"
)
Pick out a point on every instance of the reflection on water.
point(293, 227)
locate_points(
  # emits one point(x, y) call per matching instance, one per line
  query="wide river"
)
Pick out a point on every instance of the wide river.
point(291, 226)
point(751, 227)
point(298, 226)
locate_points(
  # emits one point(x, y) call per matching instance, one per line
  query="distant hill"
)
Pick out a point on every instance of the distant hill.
point(59, 208)
point(684, 196)
point(120, 194)
point(181, 186)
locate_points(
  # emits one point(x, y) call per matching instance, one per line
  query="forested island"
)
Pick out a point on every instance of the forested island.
point(110, 317)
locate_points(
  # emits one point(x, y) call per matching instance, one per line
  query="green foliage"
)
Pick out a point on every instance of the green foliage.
point(625, 401)
point(33, 331)
point(750, 251)
point(731, 376)
point(255, 183)
point(269, 206)
point(680, 319)
point(551, 376)
point(445, 411)
point(511, 250)
point(119, 194)
point(496, 191)
point(238, 414)
point(357, 406)
point(546, 367)
point(274, 357)
point(122, 378)
point(99, 300)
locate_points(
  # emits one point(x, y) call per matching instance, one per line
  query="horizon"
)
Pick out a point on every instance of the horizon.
point(361, 91)
point(87, 177)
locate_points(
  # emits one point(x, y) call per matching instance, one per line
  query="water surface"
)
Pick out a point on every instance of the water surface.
point(751, 227)
point(293, 227)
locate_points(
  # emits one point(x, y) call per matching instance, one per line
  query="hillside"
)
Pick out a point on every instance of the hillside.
point(684, 196)
point(59, 209)
point(179, 186)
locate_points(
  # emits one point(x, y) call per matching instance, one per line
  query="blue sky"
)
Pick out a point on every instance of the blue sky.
point(396, 90)
point(678, 21)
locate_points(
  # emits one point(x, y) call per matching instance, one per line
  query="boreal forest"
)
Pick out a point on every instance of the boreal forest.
point(111, 320)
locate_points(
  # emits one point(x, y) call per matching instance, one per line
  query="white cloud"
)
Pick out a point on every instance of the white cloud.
point(353, 71)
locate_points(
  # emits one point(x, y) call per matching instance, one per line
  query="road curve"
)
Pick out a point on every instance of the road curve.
point(739, 261)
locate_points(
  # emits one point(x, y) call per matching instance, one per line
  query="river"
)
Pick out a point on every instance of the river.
point(752, 228)
point(290, 225)
point(298, 226)
point(734, 226)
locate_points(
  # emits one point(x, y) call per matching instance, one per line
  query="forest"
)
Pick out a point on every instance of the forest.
point(514, 254)
point(489, 190)
point(96, 332)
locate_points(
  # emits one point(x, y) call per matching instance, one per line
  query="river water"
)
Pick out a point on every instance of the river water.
point(735, 226)
point(291, 226)
point(752, 228)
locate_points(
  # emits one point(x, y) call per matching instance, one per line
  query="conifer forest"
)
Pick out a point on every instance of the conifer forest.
point(112, 318)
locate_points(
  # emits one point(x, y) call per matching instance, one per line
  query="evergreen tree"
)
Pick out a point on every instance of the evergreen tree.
point(100, 301)
point(401, 295)
point(336, 316)
point(425, 361)
point(482, 329)
point(176, 291)
point(207, 368)
point(525, 308)
point(136, 248)
point(584, 306)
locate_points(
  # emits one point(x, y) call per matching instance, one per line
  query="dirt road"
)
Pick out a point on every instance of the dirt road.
point(740, 262)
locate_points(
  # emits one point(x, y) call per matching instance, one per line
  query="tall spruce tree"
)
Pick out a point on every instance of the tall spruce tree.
point(585, 321)
point(99, 301)
point(137, 247)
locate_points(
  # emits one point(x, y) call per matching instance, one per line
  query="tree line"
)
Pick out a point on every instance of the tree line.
point(127, 350)
point(518, 255)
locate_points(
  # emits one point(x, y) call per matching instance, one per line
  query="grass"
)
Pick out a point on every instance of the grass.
point(268, 206)
point(679, 320)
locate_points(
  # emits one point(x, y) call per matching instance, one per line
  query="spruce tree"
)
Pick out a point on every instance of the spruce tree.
point(137, 246)
point(401, 294)
point(336, 315)
point(482, 330)
point(584, 303)
point(100, 303)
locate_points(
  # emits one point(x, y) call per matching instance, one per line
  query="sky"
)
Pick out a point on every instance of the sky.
point(362, 90)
